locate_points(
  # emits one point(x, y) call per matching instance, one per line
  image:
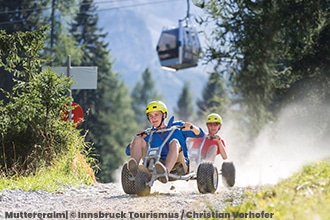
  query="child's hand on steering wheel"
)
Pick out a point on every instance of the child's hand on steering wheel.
point(215, 137)
point(141, 133)
point(188, 126)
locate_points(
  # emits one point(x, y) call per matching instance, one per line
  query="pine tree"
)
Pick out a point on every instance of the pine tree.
point(17, 15)
point(59, 44)
point(32, 134)
point(143, 92)
point(30, 15)
point(110, 122)
point(214, 96)
point(20, 15)
point(185, 108)
point(274, 49)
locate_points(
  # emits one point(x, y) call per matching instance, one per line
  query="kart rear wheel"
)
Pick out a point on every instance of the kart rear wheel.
point(141, 187)
point(228, 173)
point(207, 178)
point(127, 184)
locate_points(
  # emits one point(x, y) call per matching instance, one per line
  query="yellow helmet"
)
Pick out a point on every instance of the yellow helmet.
point(213, 117)
point(156, 106)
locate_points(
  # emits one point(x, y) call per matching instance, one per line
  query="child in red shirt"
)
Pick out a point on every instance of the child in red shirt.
point(213, 144)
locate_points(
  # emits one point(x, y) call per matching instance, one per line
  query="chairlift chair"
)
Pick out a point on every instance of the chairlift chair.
point(178, 48)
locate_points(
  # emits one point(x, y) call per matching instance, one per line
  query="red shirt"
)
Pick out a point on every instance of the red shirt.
point(207, 144)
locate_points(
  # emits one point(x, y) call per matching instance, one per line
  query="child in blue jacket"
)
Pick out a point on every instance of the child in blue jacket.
point(175, 150)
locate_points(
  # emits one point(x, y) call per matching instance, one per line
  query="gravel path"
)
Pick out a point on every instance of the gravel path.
point(175, 200)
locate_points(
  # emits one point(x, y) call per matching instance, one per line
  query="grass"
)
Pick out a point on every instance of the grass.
point(52, 179)
point(305, 195)
point(71, 169)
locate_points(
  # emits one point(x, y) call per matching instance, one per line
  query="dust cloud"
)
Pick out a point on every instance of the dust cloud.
point(298, 136)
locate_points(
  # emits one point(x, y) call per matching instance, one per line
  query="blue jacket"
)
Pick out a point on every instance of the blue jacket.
point(178, 134)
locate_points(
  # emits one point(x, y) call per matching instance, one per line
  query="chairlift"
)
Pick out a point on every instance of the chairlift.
point(179, 48)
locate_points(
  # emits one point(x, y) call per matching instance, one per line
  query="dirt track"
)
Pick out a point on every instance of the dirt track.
point(174, 200)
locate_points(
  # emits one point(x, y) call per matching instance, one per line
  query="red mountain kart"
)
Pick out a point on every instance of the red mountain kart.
point(206, 176)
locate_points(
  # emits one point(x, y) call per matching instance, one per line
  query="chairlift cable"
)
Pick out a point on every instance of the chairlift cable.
point(97, 11)
point(102, 2)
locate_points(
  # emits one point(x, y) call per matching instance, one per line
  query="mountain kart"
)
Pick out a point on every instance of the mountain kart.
point(206, 176)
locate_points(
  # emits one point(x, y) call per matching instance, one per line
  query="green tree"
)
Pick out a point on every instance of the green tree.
point(142, 93)
point(20, 15)
point(185, 107)
point(32, 134)
point(65, 46)
point(110, 120)
point(17, 15)
point(214, 96)
point(270, 47)
point(29, 15)
point(59, 44)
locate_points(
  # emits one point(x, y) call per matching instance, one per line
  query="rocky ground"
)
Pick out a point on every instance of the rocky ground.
point(174, 200)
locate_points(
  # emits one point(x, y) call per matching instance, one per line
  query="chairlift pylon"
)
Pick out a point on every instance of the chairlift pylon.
point(179, 48)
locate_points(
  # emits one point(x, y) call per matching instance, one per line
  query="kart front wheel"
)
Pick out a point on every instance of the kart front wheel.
point(228, 173)
point(126, 180)
point(141, 187)
point(207, 178)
